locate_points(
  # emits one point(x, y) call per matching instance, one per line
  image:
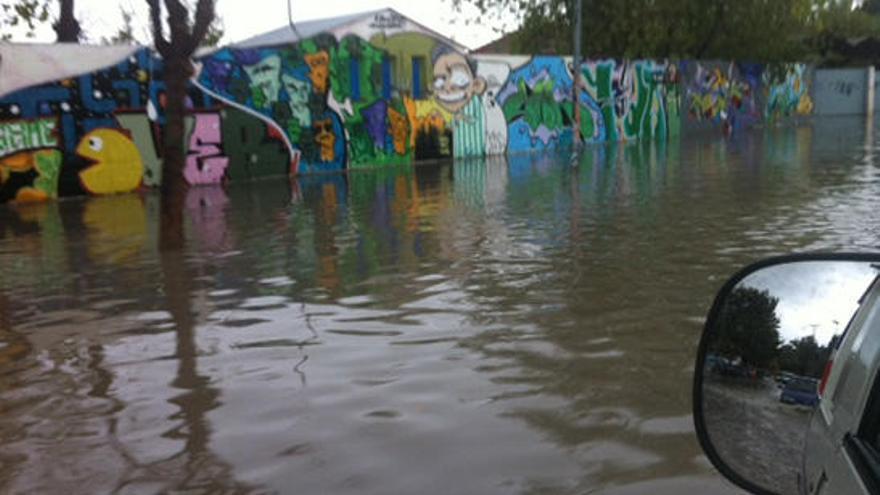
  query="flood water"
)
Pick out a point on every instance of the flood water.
point(500, 326)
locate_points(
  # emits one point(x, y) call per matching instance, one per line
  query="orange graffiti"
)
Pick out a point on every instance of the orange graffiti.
point(399, 132)
point(319, 64)
point(30, 195)
point(46, 163)
point(19, 162)
point(325, 138)
point(425, 115)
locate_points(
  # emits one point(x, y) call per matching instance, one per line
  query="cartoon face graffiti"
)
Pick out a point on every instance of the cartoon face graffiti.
point(319, 65)
point(298, 97)
point(454, 81)
point(117, 164)
point(325, 138)
point(264, 76)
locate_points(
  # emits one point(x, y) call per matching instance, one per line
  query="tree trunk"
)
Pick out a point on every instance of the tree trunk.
point(177, 72)
point(67, 27)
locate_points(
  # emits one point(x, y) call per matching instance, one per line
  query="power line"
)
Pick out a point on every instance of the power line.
point(290, 20)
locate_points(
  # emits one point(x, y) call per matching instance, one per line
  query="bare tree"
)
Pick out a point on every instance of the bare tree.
point(183, 39)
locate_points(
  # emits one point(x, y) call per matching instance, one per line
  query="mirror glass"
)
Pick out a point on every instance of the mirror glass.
point(764, 356)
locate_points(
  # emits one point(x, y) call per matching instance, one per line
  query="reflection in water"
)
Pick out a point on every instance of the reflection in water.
point(117, 227)
point(490, 326)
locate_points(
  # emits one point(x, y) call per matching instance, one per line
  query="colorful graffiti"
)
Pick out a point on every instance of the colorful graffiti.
point(459, 90)
point(633, 99)
point(326, 97)
point(787, 94)
point(28, 158)
point(430, 125)
point(100, 133)
point(359, 97)
point(114, 162)
point(537, 104)
point(618, 101)
point(736, 95)
point(720, 94)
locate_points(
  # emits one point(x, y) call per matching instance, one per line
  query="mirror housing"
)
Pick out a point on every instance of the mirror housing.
point(780, 331)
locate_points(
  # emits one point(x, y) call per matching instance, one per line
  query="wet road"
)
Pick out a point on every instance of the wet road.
point(500, 326)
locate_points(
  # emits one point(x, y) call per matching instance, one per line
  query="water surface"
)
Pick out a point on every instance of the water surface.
point(515, 325)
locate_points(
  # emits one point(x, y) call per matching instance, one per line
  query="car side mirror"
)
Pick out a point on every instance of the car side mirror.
point(777, 341)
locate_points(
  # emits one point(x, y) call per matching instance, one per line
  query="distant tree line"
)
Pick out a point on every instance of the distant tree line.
point(752, 30)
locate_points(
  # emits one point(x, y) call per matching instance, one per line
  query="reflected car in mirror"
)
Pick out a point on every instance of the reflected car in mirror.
point(801, 391)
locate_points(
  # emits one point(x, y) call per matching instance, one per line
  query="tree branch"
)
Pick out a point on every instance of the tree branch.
point(162, 45)
point(178, 24)
point(202, 23)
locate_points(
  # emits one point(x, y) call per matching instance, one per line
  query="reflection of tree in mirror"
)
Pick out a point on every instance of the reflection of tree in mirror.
point(748, 327)
point(805, 356)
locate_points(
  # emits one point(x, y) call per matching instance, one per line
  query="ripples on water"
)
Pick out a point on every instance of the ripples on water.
point(498, 326)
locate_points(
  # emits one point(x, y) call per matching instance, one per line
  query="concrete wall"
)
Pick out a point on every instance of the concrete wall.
point(841, 91)
point(336, 102)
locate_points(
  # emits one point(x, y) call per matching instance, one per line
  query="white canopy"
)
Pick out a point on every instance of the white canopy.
point(29, 64)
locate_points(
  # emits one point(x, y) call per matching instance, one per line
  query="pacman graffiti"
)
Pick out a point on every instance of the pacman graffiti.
point(116, 162)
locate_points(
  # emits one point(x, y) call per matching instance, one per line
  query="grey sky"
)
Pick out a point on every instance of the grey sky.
point(814, 297)
point(245, 18)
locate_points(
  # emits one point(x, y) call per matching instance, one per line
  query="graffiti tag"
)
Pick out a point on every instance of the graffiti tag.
point(27, 135)
point(387, 20)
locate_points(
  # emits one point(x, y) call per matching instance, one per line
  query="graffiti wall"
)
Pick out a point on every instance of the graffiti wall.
point(377, 93)
point(100, 133)
point(733, 96)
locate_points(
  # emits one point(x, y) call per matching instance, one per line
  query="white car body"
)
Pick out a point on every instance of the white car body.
point(837, 457)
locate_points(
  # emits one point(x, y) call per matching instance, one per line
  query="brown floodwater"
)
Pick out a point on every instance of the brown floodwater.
point(515, 325)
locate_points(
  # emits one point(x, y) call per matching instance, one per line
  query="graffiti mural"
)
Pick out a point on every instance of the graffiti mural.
point(29, 162)
point(430, 128)
point(495, 74)
point(630, 100)
point(205, 162)
point(459, 90)
point(87, 152)
point(376, 92)
point(723, 94)
point(537, 104)
point(101, 133)
point(787, 92)
point(114, 162)
point(326, 97)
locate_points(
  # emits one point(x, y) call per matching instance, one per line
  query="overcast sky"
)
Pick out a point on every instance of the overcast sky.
point(815, 298)
point(245, 18)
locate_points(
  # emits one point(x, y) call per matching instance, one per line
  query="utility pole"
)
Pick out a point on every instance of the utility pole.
point(576, 68)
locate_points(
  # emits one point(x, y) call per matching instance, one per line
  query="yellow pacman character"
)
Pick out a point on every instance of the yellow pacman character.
point(118, 166)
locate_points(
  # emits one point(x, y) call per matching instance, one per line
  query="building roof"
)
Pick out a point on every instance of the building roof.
point(504, 44)
point(307, 29)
